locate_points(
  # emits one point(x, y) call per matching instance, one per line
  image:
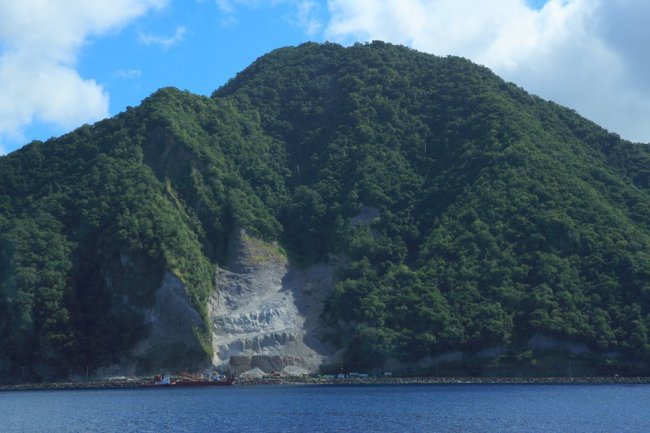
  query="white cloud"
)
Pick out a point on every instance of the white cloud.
point(128, 74)
point(591, 55)
point(306, 17)
point(228, 21)
point(163, 41)
point(39, 44)
point(225, 6)
point(230, 6)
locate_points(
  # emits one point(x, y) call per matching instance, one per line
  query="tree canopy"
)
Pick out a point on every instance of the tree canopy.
point(464, 213)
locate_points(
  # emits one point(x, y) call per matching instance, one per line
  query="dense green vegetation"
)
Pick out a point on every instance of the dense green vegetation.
point(468, 214)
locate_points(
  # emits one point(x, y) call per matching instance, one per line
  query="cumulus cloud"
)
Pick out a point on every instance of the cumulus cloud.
point(39, 44)
point(591, 55)
point(306, 17)
point(163, 41)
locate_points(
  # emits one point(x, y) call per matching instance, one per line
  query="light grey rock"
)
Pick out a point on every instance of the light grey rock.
point(172, 342)
point(267, 310)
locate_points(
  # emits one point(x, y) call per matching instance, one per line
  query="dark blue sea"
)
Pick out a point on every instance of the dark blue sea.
point(393, 408)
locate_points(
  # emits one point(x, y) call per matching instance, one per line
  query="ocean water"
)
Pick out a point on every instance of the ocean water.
point(388, 408)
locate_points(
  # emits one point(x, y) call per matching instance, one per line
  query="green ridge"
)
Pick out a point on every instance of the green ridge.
point(499, 216)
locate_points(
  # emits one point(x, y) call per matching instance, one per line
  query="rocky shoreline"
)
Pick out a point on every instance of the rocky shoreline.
point(91, 384)
point(295, 380)
point(445, 381)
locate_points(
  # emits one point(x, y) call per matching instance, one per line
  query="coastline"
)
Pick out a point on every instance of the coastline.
point(91, 384)
point(295, 380)
point(426, 380)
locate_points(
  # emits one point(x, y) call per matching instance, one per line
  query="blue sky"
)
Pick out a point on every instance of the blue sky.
point(59, 70)
point(204, 48)
point(186, 44)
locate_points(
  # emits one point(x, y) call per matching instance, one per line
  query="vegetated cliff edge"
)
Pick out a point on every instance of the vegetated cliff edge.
point(442, 218)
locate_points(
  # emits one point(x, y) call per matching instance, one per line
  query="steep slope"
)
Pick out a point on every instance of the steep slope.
point(503, 218)
point(435, 214)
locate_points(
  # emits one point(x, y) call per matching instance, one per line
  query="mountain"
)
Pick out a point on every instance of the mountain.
point(369, 207)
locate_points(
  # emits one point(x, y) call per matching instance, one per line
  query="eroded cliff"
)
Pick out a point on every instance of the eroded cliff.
point(264, 312)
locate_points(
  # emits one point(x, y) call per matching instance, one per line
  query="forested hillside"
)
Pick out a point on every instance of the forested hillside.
point(462, 213)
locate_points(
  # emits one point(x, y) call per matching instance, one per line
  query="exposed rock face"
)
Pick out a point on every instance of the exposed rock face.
point(173, 321)
point(264, 312)
point(172, 341)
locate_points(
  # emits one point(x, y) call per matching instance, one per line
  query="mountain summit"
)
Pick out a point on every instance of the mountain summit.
point(371, 206)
